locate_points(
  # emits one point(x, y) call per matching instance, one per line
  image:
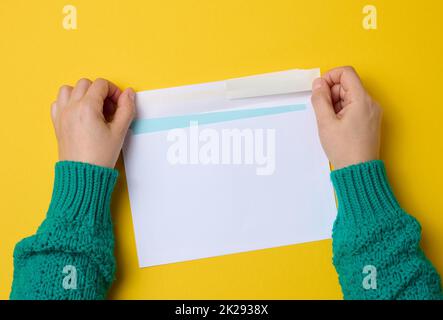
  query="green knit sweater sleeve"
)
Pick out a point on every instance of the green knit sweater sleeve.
point(375, 243)
point(71, 255)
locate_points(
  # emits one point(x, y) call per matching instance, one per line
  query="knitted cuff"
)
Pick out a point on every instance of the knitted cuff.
point(82, 194)
point(364, 195)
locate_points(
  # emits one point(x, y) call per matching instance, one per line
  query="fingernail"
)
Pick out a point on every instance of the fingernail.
point(317, 84)
point(131, 94)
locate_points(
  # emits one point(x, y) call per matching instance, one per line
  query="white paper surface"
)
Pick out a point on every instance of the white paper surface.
point(190, 211)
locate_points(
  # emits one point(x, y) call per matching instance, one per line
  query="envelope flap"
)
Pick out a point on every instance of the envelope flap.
point(283, 82)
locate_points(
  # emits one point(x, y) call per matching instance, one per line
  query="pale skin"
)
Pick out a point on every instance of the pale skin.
point(92, 118)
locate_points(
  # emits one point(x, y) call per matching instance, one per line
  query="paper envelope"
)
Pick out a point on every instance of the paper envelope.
point(227, 167)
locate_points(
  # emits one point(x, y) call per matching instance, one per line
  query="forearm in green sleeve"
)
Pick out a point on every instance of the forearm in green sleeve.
point(72, 254)
point(375, 243)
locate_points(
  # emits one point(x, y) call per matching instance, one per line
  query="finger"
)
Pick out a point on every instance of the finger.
point(339, 98)
point(64, 94)
point(322, 101)
point(102, 89)
point(347, 78)
point(125, 112)
point(80, 89)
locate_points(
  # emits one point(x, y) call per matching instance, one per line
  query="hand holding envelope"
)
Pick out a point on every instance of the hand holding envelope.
point(227, 167)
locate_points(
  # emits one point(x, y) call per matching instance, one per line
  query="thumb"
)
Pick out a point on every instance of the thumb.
point(322, 101)
point(125, 111)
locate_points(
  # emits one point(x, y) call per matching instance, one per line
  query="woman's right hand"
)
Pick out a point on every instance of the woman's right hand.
point(348, 118)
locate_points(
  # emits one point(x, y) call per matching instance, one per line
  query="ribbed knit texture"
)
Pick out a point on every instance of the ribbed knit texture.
point(77, 232)
point(372, 229)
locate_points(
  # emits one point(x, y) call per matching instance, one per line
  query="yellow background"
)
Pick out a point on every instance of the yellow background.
point(154, 44)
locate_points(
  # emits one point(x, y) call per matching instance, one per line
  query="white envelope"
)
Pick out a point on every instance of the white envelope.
point(275, 192)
